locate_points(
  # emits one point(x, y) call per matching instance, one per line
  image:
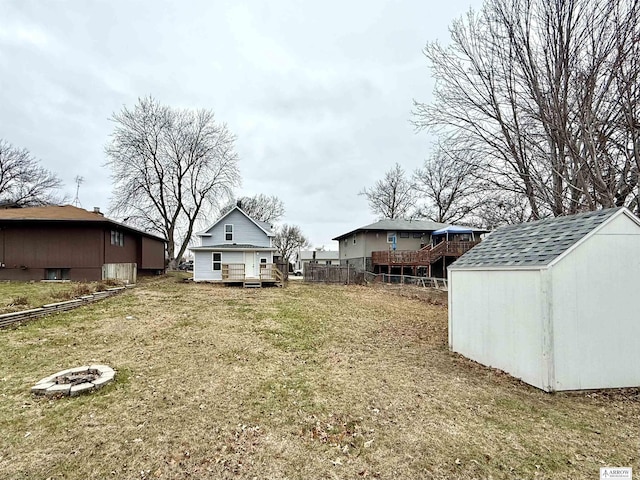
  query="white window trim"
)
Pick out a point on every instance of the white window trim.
point(213, 261)
point(226, 232)
point(389, 235)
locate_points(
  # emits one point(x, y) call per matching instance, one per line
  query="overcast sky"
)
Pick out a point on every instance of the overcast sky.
point(319, 94)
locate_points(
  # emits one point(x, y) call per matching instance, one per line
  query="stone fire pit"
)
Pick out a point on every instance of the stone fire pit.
point(74, 381)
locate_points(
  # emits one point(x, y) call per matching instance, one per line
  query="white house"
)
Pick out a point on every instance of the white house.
point(553, 302)
point(319, 257)
point(236, 249)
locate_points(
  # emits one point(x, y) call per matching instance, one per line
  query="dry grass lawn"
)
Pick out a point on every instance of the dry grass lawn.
point(18, 296)
point(303, 382)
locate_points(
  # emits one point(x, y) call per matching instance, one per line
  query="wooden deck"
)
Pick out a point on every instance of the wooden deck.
point(424, 257)
point(234, 273)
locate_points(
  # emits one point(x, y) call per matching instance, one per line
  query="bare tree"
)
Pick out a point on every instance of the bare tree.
point(170, 166)
point(542, 94)
point(288, 240)
point(393, 196)
point(23, 181)
point(263, 208)
point(450, 189)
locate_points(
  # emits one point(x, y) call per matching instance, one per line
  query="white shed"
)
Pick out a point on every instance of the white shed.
point(553, 302)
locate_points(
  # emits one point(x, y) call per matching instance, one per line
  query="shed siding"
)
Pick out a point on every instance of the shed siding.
point(244, 232)
point(496, 318)
point(596, 320)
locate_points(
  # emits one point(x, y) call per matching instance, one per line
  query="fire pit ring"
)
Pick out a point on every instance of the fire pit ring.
point(74, 381)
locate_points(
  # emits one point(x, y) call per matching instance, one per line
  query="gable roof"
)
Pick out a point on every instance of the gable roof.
point(535, 244)
point(264, 226)
point(65, 213)
point(402, 225)
point(320, 255)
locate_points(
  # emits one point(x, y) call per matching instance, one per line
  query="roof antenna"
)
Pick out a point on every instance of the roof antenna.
point(78, 180)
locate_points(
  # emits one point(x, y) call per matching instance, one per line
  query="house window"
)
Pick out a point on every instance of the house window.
point(417, 235)
point(228, 232)
point(117, 238)
point(57, 274)
point(217, 261)
point(391, 237)
point(404, 234)
point(328, 262)
point(354, 239)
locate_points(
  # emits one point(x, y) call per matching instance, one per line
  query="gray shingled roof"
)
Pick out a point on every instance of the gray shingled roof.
point(402, 225)
point(532, 244)
point(231, 246)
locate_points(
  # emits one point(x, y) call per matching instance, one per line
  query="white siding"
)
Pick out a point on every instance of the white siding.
point(203, 267)
point(267, 256)
point(232, 257)
point(244, 232)
point(496, 318)
point(595, 310)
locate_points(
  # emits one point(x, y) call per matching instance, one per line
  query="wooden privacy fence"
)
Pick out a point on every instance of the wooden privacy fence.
point(123, 272)
point(332, 274)
point(14, 317)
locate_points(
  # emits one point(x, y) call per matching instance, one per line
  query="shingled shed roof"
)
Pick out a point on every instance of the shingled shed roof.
point(533, 244)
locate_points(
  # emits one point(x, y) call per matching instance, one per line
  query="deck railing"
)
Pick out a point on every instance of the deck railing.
point(424, 256)
point(236, 271)
point(269, 271)
point(233, 271)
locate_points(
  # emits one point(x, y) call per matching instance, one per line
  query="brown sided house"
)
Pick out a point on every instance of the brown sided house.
point(70, 243)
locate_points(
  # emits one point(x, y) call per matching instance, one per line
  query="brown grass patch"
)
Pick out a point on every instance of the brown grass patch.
point(310, 381)
point(17, 296)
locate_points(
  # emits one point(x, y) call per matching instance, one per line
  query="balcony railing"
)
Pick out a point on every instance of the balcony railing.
point(425, 256)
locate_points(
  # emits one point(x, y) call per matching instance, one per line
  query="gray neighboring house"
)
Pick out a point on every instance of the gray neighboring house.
point(553, 302)
point(357, 246)
point(319, 257)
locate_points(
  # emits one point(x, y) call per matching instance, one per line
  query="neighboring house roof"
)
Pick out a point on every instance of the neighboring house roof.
point(320, 255)
point(535, 244)
point(65, 213)
point(264, 226)
point(402, 225)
